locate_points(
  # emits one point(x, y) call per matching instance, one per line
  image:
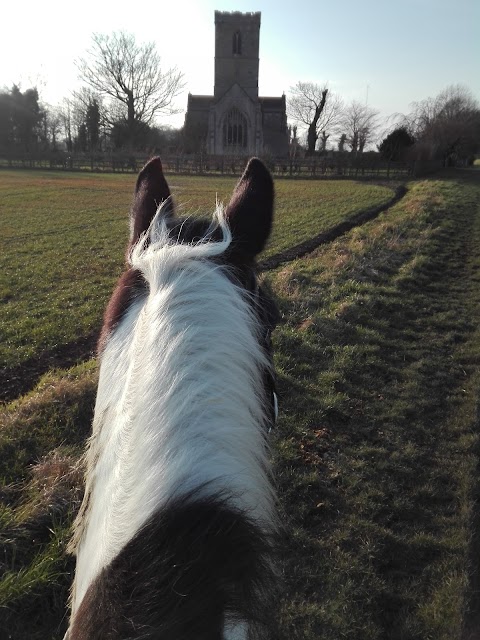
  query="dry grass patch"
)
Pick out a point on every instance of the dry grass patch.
point(42, 437)
point(55, 485)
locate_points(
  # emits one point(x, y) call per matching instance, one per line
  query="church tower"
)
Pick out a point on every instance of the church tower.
point(237, 45)
point(236, 121)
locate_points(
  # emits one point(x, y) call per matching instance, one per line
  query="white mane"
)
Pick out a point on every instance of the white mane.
point(179, 404)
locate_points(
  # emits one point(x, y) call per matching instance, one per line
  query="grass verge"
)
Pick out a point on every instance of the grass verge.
point(377, 451)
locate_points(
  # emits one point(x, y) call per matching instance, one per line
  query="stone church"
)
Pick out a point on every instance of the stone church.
point(235, 120)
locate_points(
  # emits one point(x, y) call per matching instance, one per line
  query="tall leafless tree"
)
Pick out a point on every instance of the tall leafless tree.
point(314, 107)
point(359, 123)
point(52, 127)
point(66, 118)
point(131, 75)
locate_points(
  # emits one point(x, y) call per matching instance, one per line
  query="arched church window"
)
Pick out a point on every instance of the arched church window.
point(235, 129)
point(237, 43)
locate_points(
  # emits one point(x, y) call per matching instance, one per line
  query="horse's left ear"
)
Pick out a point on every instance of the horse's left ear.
point(150, 191)
point(250, 211)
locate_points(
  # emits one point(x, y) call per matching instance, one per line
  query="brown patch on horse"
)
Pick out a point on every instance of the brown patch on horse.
point(194, 564)
point(129, 285)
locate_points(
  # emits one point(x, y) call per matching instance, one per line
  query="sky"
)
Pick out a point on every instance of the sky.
point(388, 53)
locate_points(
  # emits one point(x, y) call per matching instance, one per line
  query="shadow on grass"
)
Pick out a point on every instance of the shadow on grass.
point(15, 381)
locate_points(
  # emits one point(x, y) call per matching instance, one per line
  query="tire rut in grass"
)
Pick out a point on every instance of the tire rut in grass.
point(300, 250)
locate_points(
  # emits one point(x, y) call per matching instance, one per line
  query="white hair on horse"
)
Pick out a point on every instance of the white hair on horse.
point(180, 424)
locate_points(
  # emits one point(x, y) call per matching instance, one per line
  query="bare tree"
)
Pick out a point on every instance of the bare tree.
point(52, 126)
point(131, 75)
point(359, 123)
point(66, 119)
point(341, 142)
point(448, 126)
point(315, 108)
point(294, 147)
point(323, 142)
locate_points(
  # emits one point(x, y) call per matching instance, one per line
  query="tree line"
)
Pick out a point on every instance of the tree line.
point(445, 128)
point(126, 89)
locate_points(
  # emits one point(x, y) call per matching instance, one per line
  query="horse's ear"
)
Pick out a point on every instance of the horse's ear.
point(150, 191)
point(250, 211)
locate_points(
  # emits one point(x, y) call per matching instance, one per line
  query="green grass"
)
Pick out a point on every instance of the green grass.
point(376, 450)
point(63, 239)
point(42, 436)
point(378, 447)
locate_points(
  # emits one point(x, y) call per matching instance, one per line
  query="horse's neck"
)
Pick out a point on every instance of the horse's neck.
point(178, 410)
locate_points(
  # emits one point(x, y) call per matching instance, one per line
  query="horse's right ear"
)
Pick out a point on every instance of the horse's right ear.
point(250, 210)
point(150, 191)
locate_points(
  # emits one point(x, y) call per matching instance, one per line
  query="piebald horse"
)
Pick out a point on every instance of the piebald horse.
point(175, 536)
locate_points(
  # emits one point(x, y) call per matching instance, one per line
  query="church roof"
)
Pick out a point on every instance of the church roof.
point(273, 103)
point(199, 102)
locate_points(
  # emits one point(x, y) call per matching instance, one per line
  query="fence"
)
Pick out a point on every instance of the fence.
point(339, 166)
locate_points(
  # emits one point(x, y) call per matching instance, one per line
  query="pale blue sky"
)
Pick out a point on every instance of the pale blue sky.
point(402, 51)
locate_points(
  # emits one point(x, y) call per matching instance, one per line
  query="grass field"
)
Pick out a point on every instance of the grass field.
point(376, 451)
point(63, 238)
